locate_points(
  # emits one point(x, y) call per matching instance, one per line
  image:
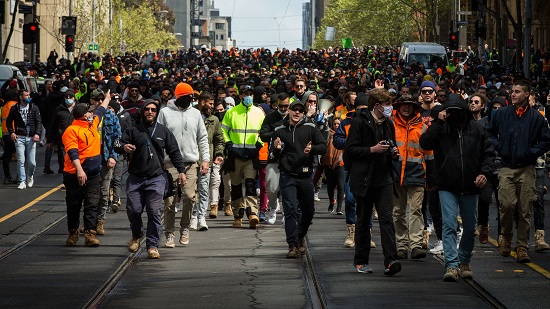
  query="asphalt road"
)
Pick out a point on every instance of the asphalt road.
point(233, 268)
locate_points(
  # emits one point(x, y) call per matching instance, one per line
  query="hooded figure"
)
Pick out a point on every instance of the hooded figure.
point(146, 142)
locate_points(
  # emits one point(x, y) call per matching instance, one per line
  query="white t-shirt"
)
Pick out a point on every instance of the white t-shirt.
point(24, 111)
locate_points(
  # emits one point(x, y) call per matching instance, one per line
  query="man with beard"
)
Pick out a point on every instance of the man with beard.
point(216, 146)
point(342, 110)
point(464, 160)
point(133, 101)
point(431, 197)
point(300, 88)
point(166, 94)
point(146, 142)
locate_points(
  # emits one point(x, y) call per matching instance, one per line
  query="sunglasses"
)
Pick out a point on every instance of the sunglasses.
point(283, 106)
point(427, 91)
point(475, 102)
point(312, 101)
point(297, 110)
point(134, 90)
point(152, 109)
point(442, 95)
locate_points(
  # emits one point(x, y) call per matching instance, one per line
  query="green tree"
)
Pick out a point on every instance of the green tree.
point(368, 22)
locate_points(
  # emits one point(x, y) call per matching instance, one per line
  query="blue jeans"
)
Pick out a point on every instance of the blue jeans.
point(350, 207)
point(26, 153)
point(203, 185)
point(450, 205)
point(145, 194)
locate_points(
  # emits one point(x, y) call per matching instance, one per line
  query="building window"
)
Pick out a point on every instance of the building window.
point(217, 37)
point(220, 26)
point(221, 36)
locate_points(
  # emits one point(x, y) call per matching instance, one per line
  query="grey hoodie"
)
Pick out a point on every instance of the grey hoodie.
point(188, 127)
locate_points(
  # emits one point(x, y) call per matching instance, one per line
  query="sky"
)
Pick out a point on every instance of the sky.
point(260, 23)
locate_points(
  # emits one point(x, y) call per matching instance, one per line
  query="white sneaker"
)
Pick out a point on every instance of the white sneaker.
point(272, 216)
point(438, 248)
point(202, 224)
point(316, 197)
point(184, 237)
point(194, 223)
point(30, 182)
point(22, 186)
point(170, 243)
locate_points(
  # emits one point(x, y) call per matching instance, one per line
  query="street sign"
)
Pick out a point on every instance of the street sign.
point(465, 12)
point(25, 9)
point(68, 25)
point(461, 22)
point(92, 46)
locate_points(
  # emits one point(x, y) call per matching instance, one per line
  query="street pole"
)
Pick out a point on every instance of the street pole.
point(111, 27)
point(527, 39)
point(33, 45)
point(93, 21)
point(71, 7)
point(313, 3)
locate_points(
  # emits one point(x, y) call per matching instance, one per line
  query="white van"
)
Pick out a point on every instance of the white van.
point(427, 54)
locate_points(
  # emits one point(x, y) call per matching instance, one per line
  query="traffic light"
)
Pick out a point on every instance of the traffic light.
point(31, 32)
point(69, 43)
point(453, 40)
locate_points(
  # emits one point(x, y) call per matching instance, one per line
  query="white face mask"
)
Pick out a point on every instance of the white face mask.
point(282, 113)
point(387, 111)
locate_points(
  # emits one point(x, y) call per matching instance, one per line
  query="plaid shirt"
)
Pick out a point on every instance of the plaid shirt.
point(110, 133)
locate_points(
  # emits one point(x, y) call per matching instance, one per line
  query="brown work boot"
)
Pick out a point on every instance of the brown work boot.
point(425, 239)
point(153, 253)
point(540, 244)
point(292, 253)
point(522, 256)
point(372, 244)
point(238, 223)
point(134, 245)
point(213, 211)
point(253, 221)
point(465, 271)
point(90, 240)
point(504, 246)
point(227, 209)
point(72, 239)
point(350, 239)
point(483, 234)
point(82, 230)
point(302, 246)
point(100, 228)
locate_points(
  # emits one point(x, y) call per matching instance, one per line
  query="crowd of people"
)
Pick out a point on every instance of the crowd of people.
point(256, 133)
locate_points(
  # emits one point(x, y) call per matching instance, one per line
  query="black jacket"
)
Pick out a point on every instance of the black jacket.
point(148, 161)
point(62, 119)
point(519, 141)
point(267, 132)
point(357, 155)
point(19, 127)
point(460, 154)
point(292, 158)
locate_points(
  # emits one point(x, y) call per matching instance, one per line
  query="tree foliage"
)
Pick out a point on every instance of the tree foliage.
point(368, 22)
point(143, 27)
point(372, 22)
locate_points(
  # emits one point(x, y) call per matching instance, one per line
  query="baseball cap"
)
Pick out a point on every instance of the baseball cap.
point(246, 88)
point(183, 89)
point(296, 102)
point(96, 93)
point(70, 93)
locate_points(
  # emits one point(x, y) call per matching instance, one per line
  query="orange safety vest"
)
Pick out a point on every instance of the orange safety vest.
point(545, 65)
point(84, 137)
point(5, 113)
point(412, 157)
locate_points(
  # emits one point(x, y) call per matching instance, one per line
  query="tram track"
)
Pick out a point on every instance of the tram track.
point(313, 285)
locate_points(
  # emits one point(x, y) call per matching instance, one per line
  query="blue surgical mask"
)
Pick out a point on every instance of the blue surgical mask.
point(493, 112)
point(28, 100)
point(69, 101)
point(387, 111)
point(247, 101)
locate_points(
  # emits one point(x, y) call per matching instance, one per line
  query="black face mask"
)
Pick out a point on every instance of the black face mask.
point(183, 102)
point(456, 119)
